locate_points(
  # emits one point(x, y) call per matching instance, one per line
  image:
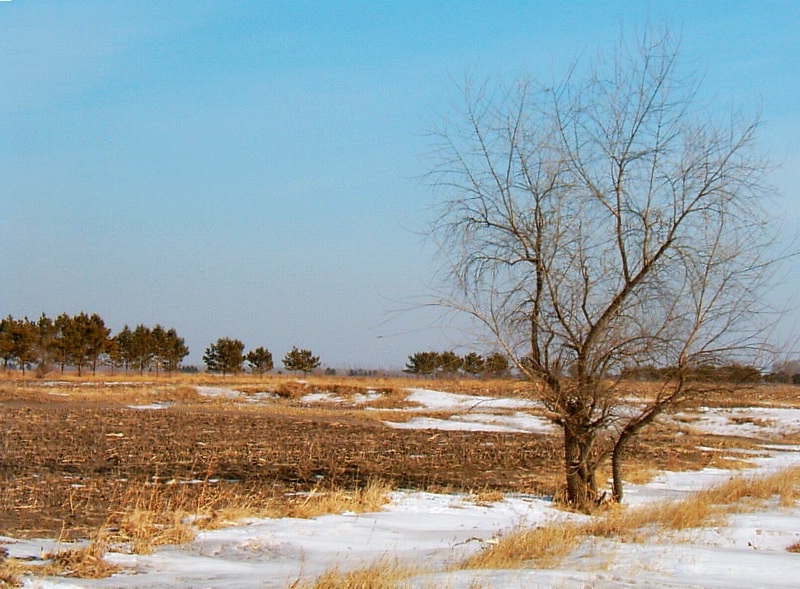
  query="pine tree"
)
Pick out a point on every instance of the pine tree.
point(473, 364)
point(300, 360)
point(422, 363)
point(225, 355)
point(96, 340)
point(121, 353)
point(260, 360)
point(141, 348)
point(24, 336)
point(175, 351)
point(45, 340)
point(449, 363)
point(6, 341)
point(497, 365)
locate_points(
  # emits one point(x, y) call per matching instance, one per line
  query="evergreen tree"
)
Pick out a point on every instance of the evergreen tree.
point(76, 340)
point(6, 341)
point(96, 340)
point(497, 365)
point(423, 363)
point(225, 355)
point(23, 338)
point(63, 328)
point(260, 360)
point(473, 364)
point(114, 355)
point(449, 363)
point(175, 351)
point(158, 340)
point(141, 348)
point(300, 360)
point(120, 352)
point(45, 340)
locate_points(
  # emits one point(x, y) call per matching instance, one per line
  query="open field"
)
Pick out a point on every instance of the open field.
point(141, 463)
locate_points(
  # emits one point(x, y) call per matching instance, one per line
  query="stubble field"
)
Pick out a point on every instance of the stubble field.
point(74, 451)
point(131, 464)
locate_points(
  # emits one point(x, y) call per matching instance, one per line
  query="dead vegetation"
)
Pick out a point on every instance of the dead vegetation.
point(384, 574)
point(546, 546)
point(73, 453)
point(135, 463)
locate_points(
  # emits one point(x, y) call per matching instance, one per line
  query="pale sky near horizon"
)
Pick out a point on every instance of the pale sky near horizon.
point(252, 169)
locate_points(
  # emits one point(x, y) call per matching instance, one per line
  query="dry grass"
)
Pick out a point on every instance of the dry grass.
point(541, 547)
point(81, 562)
point(154, 514)
point(150, 515)
point(11, 572)
point(546, 546)
point(795, 548)
point(318, 502)
point(485, 497)
point(384, 574)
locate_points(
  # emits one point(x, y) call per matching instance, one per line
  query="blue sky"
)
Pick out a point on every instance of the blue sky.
point(252, 169)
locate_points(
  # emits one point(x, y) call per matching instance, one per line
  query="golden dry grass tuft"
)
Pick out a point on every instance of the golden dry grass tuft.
point(291, 389)
point(11, 571)
point(384, 574)
point(152, 514)
point(81, 562)
point(543, 547)
point(485, 497)
point(86, 562)
point(320, 501)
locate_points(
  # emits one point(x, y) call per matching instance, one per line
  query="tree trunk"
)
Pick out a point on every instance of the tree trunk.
point(628, 432)
point(581, 487)
point(616, 470)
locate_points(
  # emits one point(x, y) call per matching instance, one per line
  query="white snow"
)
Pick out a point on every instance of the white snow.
point(151, 406)
point(437, 400)
point(473, 413)
point(218, 392)
point(745, 421)
point(438, 530)
point(485, 422)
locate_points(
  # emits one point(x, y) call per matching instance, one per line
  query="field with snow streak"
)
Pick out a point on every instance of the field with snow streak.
point(428, 536)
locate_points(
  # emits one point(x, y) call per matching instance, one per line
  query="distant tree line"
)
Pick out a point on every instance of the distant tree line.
point(730, 373)
point(227, 356)
point(83, 341)
point(450, 364)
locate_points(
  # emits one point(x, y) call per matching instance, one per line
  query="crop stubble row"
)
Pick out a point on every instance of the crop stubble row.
point(63, 465)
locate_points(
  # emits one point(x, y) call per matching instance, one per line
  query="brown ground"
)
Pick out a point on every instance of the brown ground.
point(65, 462)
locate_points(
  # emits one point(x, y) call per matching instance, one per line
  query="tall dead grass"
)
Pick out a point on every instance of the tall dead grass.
point(153, 514)
point(384, 574)
point(149, 515)
point(86, 561)
point(548, 545)
point(319, 501)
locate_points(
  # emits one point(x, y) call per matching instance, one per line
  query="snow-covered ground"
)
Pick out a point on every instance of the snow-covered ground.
point(473, 413)
point(436, 531)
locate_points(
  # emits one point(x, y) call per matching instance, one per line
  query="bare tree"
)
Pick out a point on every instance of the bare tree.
point(604, 222)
